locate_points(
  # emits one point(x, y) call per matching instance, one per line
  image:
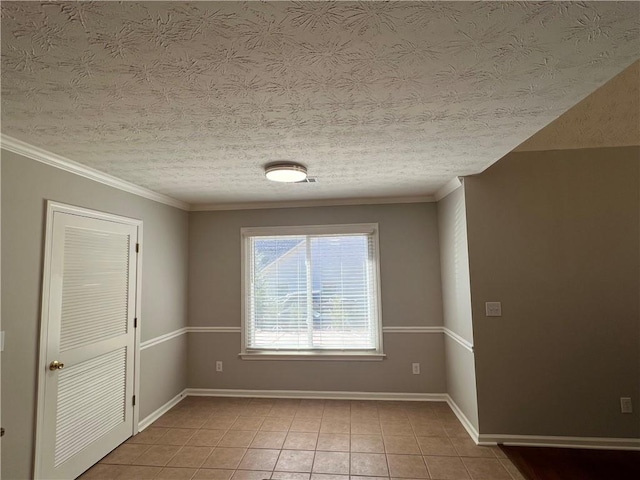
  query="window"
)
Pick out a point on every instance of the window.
point(311, 291)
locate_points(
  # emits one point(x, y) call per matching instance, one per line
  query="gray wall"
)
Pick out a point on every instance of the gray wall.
point(26, 185)
point(411, 296)
point(554, 236)
point(456, 296)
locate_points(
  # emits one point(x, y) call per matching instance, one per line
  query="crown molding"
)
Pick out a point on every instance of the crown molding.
point(448, 188)
point(312, 203)
point(40, 155)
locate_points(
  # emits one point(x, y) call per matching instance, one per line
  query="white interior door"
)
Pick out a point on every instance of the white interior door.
point(88, 341)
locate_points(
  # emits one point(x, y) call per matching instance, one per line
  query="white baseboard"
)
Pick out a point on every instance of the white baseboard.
point(149, 419)
point(307, 394)
point(468, 426)
point(600, 443)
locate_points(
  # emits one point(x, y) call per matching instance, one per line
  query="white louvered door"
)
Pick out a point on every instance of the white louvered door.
point(89, 320)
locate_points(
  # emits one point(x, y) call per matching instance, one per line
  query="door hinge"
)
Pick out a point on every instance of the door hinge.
point(137, 248)
point(134, 401)
point(135, 323)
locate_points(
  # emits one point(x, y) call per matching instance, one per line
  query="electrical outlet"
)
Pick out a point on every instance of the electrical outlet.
point(493, 309)
point(415, 368)
point(218, 366)
point(625, 405)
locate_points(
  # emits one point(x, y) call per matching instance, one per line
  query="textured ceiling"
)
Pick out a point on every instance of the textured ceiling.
point(609, 117)
point(375, 98)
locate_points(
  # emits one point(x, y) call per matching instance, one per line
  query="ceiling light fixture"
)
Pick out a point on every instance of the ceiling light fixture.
point(288, 172)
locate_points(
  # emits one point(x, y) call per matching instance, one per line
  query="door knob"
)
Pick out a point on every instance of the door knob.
point(56, 365)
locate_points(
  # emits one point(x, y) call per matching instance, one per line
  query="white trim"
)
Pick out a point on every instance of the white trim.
point(458, 339)
point(152, 417)
point(214, 330)
point(312, 203)
point(468, 426)
point(321, 395)
point(603, 443)
point(162, 338)
point(356, 356)
point(404, 330)
point(411, 329)
point(449, 187)
point(40, 155)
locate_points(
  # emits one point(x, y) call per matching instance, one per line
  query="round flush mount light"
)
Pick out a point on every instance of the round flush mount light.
point(287, 172)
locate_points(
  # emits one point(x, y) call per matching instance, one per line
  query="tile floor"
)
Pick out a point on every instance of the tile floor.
point(279, 439)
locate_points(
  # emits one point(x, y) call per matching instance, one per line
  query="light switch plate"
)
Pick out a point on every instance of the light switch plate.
point(493, 309)
point(2, 341)
point(625, 405)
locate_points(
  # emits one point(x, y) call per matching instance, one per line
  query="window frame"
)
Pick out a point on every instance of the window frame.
point(246, 233)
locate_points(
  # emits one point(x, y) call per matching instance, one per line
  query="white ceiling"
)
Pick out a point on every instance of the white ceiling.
point(377, 99)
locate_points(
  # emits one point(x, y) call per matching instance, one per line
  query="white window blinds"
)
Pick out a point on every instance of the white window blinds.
point(311, 291)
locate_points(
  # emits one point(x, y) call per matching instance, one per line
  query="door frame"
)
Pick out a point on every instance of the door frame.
point(57, 207)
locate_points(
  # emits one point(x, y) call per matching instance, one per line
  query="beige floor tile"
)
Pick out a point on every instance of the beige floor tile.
point(290, 476)
point(301, 441)
point(407, 466)
point(295, 461)
point(149, 436)
point(169, 419)
point(237, 438)
point(328, 476)
point(171, 473)
point(247, 423)
point(310, 410)
point(369, 464)
point(365, 428)
point(224, 458)
point(176, 436)
point(394, 418)
point(367, 444)
point(334, 426)
point(125, 454)
point(206, 438)
point(250, 475)
point(102, 471)
point(213, 474)
point(455, 431)
point(365, 417)
point(276, 424)
point(333, 442)
point(336, 463)
point(190, 456)
point(157, 455)
point(192, 421)
point(436, 446)
point(268, 440)
point(397, 429)
point(283, 411)
point(220, 422)
point(497, 451)
point(257, 410)
point(259, 459)
point(360, 477)
point(467, 448)
point(446, 468)
point(486, 469)
point(431, 429)
point(512, 469)
point(305, 424)
point(139, 472)
point(401, 444)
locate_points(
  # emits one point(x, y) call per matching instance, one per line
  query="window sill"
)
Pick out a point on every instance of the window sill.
point(330, 356)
